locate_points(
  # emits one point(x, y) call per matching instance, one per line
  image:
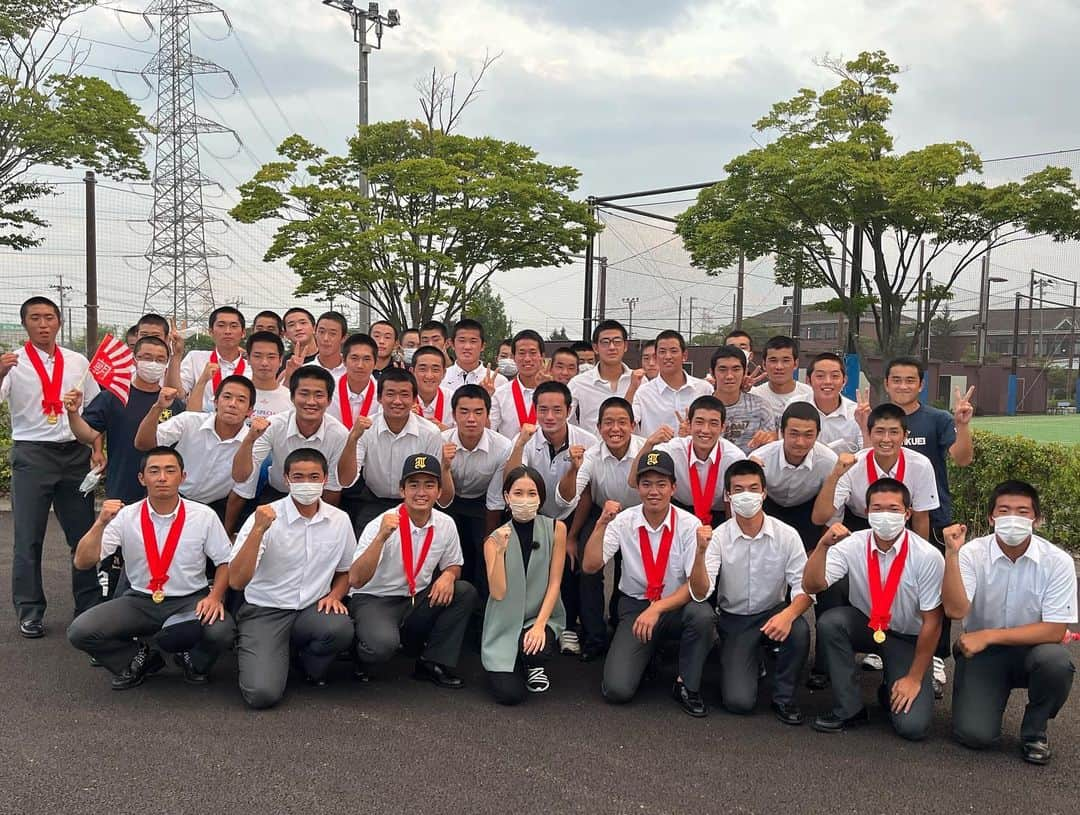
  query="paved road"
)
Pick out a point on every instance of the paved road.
point(70, 744)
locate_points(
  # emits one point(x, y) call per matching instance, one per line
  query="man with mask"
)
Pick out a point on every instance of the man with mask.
point(894, 587)
point(1016, 595)
point(585, 353)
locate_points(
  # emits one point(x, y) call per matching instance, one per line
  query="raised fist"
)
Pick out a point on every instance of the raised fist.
point(264, 516)
point(209, 372)
point(8, 361)
point(528, 431)
point(577, 456)
point(109, 509)
point(955, 536)
point(834, 534)
point(704, 535)
point(449, 450)
point(361, 424)
point(166, 396)
point(637, 376)
point(259, 426)
point(390, 521)
point(844, 462)
point(611, 509)
point(661, 434)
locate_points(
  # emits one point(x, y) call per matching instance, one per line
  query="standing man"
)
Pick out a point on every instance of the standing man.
point(468, 343)
point(227, 331)
point(300, 331)
point(840, 429)
point(330, 331)
point(585, 353)
point(649, 366)
point(355, 390)
point(432, 397)
point(749, 419)
point(395, 596)
point(780, 388)
point(611, 376)
point(1016, 595)
point(894, 577)
point(291, 560)
point(268, 321)
point(658, 402)
point(47, 462)
point(434, 334)
point(385, 336)
point(265, 352)
point(512, 403)
point(410, 341)
point(658, 543)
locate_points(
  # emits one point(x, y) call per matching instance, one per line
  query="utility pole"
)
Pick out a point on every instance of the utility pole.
point(690, 321)
point(851, 357)
point(984, 308)
point(587, 291)
point(630, 303)
point(796, 307)
point(739, 290)
point(62, 291)
point(363, 22)
point(924, 305)
point(678, 324)
point(843, 285)
point(91, 264)
point(601, 297)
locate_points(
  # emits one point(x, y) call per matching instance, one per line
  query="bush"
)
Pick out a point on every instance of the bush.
point(1053, 469)
point(5, 449)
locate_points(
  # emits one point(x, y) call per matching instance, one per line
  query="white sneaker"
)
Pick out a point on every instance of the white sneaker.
point(568, 642)
point(537, 681)
point(939, 671)
point(872, 662)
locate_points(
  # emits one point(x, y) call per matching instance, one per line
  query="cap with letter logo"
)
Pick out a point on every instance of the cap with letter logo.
point(656, 462)
point(421, 464)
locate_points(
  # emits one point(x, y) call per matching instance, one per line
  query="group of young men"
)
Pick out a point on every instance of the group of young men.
point(336, 498)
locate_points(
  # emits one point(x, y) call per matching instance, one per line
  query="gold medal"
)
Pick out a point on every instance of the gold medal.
point(879, 636)
point(52, 418)
point(159, 597)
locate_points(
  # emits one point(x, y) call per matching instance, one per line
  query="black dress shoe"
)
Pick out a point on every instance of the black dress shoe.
point(192, 675)
point(591, 653)
point(32, 629)
point(788, 714)
point(817, 681)
point(690, 701)
point(1036, 751)
point(438, 674)
point(142, 665)
point(360, 673)
point(95, 662)
point(831, 723)
point(315, 681)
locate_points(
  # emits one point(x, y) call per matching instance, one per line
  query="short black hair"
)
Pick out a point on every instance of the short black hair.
point(405, 331)
point(151, 341)
point(155, 320)
point(568, 350)
point(581, 345)
point(553, 387)
point(226, 310)
point(738, 332)
point(827, 356)
point(311, 372)
point(273, 315)
point(744, 466)
point(160, 450)
point(469, 324)
point(298, 310)
point(800, 410)
point(237, 379)
point(391, 374)
point(608, 325)
point(335, 317)
point(908, 362)
point(614, 403)
point(471, 392)
point(727, 352)
point(889, 485)
point(435, 325)
point(782, 342)
point(524, 471)
point(265, 336)
point(527, 334)
point(387, 323)
point(887, 410)
point(305, 454)
point(359, 339)
point(132, 333)
point(707, 403)
point(1015, 487)
point(648, 344)
point(38, 301)
point(671, 335)
point(428, 351)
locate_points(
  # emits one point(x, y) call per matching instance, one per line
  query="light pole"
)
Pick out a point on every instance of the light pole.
point(364, 22)
point(630, 303)
point(984, 309)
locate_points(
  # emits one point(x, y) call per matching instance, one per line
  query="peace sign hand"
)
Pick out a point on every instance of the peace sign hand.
point(684, 423)
point(862, 408)
point(488, 382)
point(963, 410)
point(545, 374)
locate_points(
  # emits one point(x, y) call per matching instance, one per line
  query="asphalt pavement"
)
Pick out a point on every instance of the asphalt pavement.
point(68, 743)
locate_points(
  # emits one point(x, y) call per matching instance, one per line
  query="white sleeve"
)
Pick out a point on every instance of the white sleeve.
point(713, 561)
point(611, 539)
point(188, 374)
point(348, 547)
point(842, 491)
point(217, 546)
point(111, 538)
point(968, 573)
point(495, 414)
point(242, 536)
point(172, 430)
point(451, 555)
point(924, 496)
point(836, 559)
point(1059, 600)
point(933, 572)
point(796, 565)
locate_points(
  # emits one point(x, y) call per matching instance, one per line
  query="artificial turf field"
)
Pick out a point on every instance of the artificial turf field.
point(1060, 429)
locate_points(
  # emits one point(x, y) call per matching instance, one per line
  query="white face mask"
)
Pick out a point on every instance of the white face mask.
point(524, 511)
point(507, 367)
point(887, 525)
point(407, 354)
point(1013, 530)
point(150, 371)
point(747, 504)
point(305, 493)
point(585, 367)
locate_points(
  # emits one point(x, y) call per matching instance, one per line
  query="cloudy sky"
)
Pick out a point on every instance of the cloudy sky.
point(635, 94)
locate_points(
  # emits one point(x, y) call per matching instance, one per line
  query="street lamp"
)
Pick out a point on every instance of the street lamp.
point(630, 303)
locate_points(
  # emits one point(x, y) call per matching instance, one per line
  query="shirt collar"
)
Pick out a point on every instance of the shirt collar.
point(413, 528)
point(641, 523)
point(766, 530)
point(295, 431)
point(292, 514)
point(605, 453)
point(806, 464)
point(662, 385)
point(1033, 553)
point(595, 378)
point(411, 427)
point(482, 446)
point(709, 458)
point(156, 514)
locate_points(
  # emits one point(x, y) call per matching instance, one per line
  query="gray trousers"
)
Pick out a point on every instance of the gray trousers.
point(508, 687)
point(265, 637)
point(982, 685)
point(843, 632)
point(741, 642)
point(627, 658)
point(385, 624)
point(46, 475)
point(108, 630)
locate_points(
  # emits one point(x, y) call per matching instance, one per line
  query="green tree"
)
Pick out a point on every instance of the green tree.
point(54, 117)
point(488, 308)
point(832, 167)
point(560, 334)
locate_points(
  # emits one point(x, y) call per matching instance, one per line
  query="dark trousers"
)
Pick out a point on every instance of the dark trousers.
point(47, 475)
point(508, 687)
point(982, 684)
point(944, 646)
point(265, 638)
point(843, 632)
point(718, 515)
point(368, 506)
point(741, 644)
point(385, 624)
point(470, 518)
point(627, 658)
point(798, 517)
point(108, 630)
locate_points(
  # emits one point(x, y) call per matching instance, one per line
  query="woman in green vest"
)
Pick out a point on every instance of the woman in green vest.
point(524, 614)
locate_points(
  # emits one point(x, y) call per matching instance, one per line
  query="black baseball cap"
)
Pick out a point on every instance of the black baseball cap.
point(656, 461)
point(422, 464)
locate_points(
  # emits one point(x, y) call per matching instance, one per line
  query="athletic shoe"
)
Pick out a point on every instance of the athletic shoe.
point(872, 662)
point(568, 642)
point(537, 681)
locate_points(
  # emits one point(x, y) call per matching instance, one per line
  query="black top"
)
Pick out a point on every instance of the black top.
point(524, 532)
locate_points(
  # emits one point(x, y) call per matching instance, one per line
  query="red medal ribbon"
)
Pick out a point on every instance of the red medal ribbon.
point(703, 499)
point(241, 366)
point(871, 468)
point(656, 568)
point(440, 405)
point(51, 404)
point(159, 562)
point(881, 597)
point(524, 417)
point(346, 406)
point(405, 529)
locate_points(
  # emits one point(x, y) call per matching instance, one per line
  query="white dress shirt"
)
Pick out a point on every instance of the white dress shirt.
point(356, 400)
point(779, 401)
point(389, 578)
point(1040, 587)
point(337, 371)
point(839, 430)
point(23, 392)
point(622, 535)
point(281, 438)
point(381, 453)
point(755, 572)
point(790, 485)
point(681, 450)
point(203, 537)
point(920, 582)
point(606, 476)
point(918, 478)
point(504, 416)
point(656, 402)
point(478, 473)
point(207, 457)
point(590, 390)
point(271, 402)
point(427, 409)
point(192, 366)
point(552, 467)
point(298, 557)
point(456, 376)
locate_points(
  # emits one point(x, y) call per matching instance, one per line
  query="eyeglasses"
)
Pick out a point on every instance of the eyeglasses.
point(610, 342)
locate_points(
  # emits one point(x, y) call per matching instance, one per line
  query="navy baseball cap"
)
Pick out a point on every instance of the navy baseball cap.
point(422, 464)
point(656, 461)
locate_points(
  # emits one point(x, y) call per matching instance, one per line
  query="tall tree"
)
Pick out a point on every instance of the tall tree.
point(51, 115)
point(832, 169)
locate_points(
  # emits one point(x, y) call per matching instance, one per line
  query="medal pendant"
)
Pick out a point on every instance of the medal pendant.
point(158, 596)
point(879, 636)
point(412, 599)
point(52, 418)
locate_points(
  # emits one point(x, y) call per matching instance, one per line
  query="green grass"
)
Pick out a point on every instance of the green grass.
point(1060, 429)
